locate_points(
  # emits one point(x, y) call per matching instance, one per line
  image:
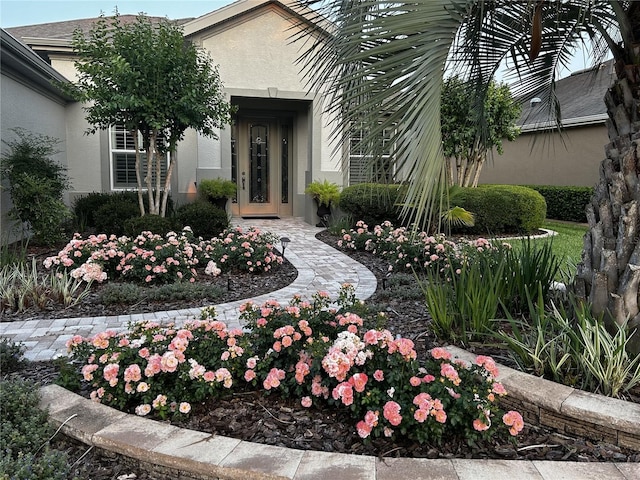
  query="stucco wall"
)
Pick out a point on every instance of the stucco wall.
point(548, 161)
point(36, 112)
point(256, 52)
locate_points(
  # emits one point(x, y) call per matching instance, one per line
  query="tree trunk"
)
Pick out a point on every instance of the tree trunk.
point(476, 176)
point(151, 157)
point(609, 273)
point(472, 164)
point(136, 145)
point(460, 171)
point(159, 157)
point(450, 171)
point(149, 175)
point(167, 185)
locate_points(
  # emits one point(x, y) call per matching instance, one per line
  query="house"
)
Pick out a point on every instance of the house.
point(280, 139)
point(541, 155)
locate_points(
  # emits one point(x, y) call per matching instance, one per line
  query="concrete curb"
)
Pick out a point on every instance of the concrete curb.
point(173, 451)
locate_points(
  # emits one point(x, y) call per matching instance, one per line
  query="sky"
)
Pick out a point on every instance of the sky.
point(15, 13)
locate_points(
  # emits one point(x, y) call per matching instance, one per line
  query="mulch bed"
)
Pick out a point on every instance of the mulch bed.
point(284, 422)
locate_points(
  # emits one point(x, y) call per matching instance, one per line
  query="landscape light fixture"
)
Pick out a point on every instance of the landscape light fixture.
point(284, 241)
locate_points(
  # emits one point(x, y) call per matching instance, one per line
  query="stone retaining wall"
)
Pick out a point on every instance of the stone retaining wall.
point(568, 410)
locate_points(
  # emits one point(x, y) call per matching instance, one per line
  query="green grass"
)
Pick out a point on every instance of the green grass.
point(567, 245)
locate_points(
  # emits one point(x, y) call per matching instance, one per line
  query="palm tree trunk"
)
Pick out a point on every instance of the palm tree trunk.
point(609, 273)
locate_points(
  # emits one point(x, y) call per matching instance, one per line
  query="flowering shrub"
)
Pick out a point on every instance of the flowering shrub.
point(160, 368)
point(408, 251)
point(312, 350)
point(151, 258)
point(250, 250)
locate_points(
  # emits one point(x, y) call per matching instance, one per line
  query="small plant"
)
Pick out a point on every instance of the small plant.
point(324, 193)
point(120, 294)
point(24, 436)
point(14, 253)
point(36, 185)
point(11, 356)
point(113, 214)
point(67, 290)
point(464, 302)
point(148, 223)
point(214, 188)
point(248, 250)
point(205, 220)
point(570, 346)
point(21, 287)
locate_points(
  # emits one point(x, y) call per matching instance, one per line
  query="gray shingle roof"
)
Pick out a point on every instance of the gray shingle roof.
point(64, 30)
point(581, 95)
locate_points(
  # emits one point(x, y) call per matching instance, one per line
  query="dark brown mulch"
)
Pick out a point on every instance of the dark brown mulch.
point(276, 421)
point(230, 287)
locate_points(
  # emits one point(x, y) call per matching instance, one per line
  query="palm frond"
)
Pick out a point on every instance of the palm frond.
point(382, 64)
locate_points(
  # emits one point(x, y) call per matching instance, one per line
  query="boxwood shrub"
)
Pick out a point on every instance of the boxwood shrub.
point(149, 223)
point(110, 217)
point(86, 208)
point(206, 220)
point(565, 203)
point(373, 202)
point(502, 209)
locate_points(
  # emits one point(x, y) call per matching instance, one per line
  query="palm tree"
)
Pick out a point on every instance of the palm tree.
point(384, 63)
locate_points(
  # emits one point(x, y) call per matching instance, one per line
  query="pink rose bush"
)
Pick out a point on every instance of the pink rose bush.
point(153, 259)
point(406, 251)
point(315, 351)
point(249, 250)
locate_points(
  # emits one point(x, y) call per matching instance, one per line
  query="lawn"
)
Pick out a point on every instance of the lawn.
point(567, 245)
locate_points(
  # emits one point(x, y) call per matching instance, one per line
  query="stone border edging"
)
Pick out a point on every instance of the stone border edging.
point(218, 457)
point(568, 409)
point(170, 452)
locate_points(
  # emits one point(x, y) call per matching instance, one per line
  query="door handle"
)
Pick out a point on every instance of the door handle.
point(243, 180)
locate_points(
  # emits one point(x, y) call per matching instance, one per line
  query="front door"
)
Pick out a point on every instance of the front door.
point(264, 163)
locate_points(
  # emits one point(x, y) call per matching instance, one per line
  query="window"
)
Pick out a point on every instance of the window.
point(360, 167)
point(123, 159)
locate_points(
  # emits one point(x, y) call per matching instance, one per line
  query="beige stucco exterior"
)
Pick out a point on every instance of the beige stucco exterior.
point(251, 42)
point(537, 158)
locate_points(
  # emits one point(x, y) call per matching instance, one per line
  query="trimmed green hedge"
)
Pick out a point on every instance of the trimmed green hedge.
point(86, 209)
point(151, 223)
point(372, 202)
point(206, 220)
point(565, 203)
point(502, 209)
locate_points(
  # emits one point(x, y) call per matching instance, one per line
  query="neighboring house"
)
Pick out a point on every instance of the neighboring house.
point(29, 100)
point(279, 142)
point(540, 155)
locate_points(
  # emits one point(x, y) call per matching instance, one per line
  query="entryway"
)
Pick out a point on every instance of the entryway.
point(262, 165)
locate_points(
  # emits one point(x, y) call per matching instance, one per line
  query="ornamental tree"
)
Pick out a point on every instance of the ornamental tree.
point(462, 143)
point(147, 77)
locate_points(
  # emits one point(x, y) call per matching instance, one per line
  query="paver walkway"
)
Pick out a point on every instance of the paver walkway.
point(319, 266)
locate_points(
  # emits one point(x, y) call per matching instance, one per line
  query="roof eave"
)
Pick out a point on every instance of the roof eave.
point(570, 122)
point(17, 57)
point(241, 7)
